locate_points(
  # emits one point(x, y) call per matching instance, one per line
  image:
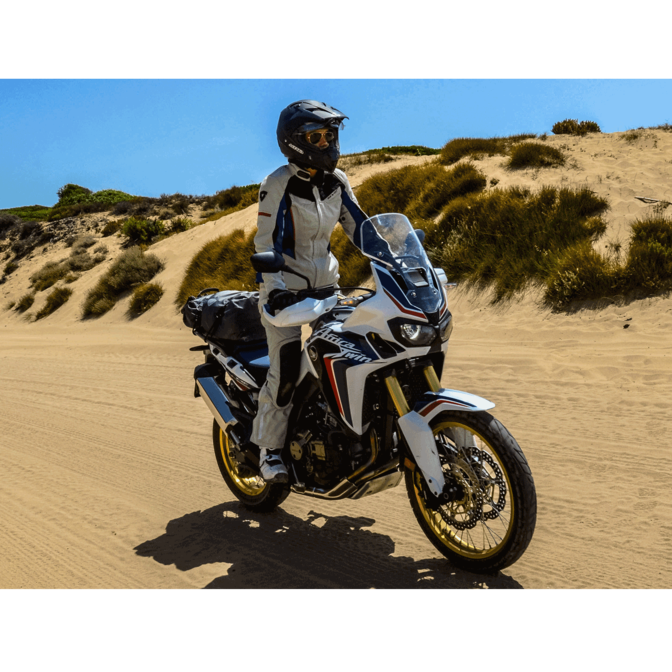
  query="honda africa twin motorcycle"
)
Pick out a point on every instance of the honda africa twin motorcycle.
point(369, 410)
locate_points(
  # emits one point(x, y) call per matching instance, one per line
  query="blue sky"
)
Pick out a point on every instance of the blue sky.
point(197, 136)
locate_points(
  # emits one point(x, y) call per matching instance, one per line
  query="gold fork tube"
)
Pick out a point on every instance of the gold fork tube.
point(398, 398)
point(432, 379)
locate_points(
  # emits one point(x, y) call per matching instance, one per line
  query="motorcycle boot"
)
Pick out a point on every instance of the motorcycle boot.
point(271, 466)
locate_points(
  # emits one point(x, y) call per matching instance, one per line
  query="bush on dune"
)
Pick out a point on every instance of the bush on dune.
point(141, 231)
point(132, 267)
point(534, 155)
point(55, 299)
point(144, 297)
point(506, 239)
point(575, 127)
point(458, 148)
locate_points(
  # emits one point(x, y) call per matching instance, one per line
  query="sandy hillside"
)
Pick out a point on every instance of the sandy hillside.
point(109, 479)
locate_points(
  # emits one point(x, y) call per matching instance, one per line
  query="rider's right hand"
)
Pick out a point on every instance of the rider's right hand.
point(279, 299)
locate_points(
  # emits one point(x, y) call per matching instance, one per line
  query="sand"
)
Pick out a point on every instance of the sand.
point(109, 478)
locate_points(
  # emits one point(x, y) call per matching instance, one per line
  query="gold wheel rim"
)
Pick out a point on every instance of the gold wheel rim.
point(487, 537)
point(249, 485)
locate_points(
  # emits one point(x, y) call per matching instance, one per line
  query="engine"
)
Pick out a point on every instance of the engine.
point(321, 454)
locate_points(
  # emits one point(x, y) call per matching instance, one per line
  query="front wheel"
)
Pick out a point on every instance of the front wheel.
point(486, 517)
point(245, 483)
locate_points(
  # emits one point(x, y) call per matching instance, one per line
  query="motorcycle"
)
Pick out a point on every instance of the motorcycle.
point(369, 411)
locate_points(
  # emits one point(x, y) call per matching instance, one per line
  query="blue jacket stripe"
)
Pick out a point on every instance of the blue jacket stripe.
point(356, 213)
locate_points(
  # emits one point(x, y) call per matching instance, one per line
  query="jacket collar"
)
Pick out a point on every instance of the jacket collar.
point(301, 173)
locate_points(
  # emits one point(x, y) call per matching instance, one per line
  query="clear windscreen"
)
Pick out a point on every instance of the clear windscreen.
point(391, 240)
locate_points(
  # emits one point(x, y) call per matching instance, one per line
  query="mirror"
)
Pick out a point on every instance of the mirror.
point(420, 234)
point(267, 262)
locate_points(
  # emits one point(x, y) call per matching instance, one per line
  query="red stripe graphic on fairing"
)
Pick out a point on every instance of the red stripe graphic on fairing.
point(402, 309)
point(428, 409)
point(264, 214)
point(330, 370)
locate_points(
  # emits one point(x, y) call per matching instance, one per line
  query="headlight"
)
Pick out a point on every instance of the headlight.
point(417, 334)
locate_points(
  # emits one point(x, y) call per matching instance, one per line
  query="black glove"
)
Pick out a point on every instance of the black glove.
point(279, 299)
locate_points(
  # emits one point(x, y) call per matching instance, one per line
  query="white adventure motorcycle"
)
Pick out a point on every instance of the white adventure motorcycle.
point(369, 410)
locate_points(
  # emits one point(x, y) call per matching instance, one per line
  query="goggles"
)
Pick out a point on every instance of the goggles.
point(315, 137)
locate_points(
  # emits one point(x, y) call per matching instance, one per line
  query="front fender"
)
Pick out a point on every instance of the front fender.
point(433, 403)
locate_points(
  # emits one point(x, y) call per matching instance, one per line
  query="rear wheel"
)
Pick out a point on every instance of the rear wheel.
point(489, 517)
point(244, 482)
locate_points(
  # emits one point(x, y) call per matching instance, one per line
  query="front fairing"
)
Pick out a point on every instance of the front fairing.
point(390, 240)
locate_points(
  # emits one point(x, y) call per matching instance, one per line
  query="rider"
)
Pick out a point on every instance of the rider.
point(299, 206)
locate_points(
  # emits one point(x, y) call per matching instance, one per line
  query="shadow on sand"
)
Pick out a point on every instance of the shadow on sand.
point(280, 550)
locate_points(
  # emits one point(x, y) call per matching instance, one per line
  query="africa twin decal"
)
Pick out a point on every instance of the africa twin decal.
point(353, 350)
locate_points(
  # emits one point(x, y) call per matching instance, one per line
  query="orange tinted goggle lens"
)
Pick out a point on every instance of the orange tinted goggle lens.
point(314, 138)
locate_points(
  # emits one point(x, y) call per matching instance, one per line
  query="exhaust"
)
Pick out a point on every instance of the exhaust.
point(213, 395)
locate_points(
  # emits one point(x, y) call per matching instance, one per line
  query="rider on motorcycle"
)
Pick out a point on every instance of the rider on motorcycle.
point(299, 205)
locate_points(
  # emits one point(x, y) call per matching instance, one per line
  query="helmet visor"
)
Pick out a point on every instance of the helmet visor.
point(315, 126)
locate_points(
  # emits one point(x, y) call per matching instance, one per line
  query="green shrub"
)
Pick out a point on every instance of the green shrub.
point(458, 148)
point(633, 135)
point(141, 231)
point(55, 299)
point(535, 155)
point(354, 160)
point(10, 267)
point(232, 197)
point(110, 228)
point(25, 302)
point(417, 191)
point(49, 274)
point(574, 127)
point(75, 200)
point(72, 193)
point(353, 266)
point(224, 263)
point(132, 267)
point(649, 260)
point(179, 224)
point(144, 297)
point(39, 213)
point(582, 273)
point(508, 238)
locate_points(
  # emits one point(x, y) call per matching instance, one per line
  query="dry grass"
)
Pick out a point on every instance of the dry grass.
point(534, 155)
point(131, 268)
point(55, 299)
point(505, 239)
point(144, 297)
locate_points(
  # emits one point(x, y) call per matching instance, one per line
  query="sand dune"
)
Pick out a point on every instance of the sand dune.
point(108, 477)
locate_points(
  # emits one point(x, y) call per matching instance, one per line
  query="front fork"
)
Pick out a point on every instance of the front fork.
point(417, 433)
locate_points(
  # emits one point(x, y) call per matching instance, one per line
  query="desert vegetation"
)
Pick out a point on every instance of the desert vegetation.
point(534, 155)
point(144, 297)
point(55, 299)
point(79, 260)
point(575, 127)
point(584, 274)
point(476, 148)
point(131, 268)
point(507, 239)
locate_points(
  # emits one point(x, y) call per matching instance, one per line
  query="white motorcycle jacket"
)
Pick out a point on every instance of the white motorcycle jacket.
point(297, 216)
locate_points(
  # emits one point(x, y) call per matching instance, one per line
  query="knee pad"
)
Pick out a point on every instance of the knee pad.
point(290, 360)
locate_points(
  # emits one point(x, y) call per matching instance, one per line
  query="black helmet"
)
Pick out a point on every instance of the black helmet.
point(308, 115)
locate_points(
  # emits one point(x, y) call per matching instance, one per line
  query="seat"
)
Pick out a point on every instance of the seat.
point(254, 357)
